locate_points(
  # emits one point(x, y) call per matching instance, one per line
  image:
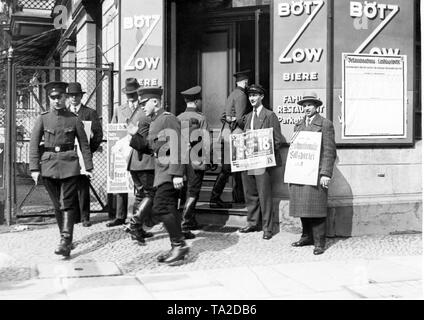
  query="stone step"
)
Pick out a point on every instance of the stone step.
point(233, 217)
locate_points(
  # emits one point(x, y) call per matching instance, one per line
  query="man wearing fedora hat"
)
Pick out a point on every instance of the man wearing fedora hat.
point(257, 183)
point(141, 169)
point(309, 203)
point(84, 113)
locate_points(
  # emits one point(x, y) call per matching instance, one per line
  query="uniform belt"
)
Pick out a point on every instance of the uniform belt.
point(62, 148)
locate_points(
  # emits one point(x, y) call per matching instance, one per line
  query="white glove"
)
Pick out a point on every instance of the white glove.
point(89, 175)
point(35, 175)
point(178, 182)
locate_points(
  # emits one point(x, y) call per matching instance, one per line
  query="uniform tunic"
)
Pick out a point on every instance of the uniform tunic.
point(311, 201)
point(59, 128)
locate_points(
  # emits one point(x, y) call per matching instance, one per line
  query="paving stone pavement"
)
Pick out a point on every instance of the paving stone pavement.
point(219, 252)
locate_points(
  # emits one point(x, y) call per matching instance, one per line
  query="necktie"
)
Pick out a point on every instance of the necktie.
point(255, 119)
point(308, 121)
point(74, 109)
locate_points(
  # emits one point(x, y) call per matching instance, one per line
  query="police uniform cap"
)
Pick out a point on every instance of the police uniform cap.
point(241, 75)
point(149, 93)
point(192, 93)
point(57, 87)
point(256, 88)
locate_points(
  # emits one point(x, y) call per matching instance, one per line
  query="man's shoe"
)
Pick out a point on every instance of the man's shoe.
point(318, 250)
point(248, 229)
point(138, 238)
point(188, 235)
point(219, 204)
point(267, 236)
point(86, 224)
point(116, 222)
point(64, 247)
point(302, 243)
point(177, 254)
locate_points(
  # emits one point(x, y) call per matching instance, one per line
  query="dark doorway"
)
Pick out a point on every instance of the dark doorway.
point(206, 46)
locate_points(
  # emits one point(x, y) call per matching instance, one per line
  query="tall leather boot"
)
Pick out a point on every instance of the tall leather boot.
point(179, 249)
point(218, 187)
point(65, 245)
point(178, 252)
point(135, 227)
point(188, 218)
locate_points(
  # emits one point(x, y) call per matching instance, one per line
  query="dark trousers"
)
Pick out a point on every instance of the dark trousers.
point(165, 208)
point(258, 195)
point(193, 184)
point(222, 180)
point(314, 229)
point(82, 209)
point(62, 193)
point(121, 205)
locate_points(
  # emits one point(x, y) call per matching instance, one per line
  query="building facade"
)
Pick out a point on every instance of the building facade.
point(326, 46)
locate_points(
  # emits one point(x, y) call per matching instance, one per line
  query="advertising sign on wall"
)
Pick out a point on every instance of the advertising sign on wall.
point(299, 57)
point(142, 42)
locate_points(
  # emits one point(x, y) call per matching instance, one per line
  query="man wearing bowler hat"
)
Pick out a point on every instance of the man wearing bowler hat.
point(128, 112)
point(57, 161)
point(257, 183)
point(309, 203)
point(84, 113)
point(196, 163)
point(236, 107)
point(163, 142)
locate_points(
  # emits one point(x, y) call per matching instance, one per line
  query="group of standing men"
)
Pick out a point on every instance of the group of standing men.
point(160, 181)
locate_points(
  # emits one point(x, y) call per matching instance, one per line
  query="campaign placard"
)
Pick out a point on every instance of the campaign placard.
point(251, 150)
point(303, 158)
point(118, 152)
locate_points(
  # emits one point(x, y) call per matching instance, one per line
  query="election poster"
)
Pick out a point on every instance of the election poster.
point(118, 152)
point(374, 97)
point(303, 159)
point(87, 130)
point(251, 150)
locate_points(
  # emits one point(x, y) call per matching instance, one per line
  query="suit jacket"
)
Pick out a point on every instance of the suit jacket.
point(59, 128)
point(268, 119)
point(328, 144)
point(87, 114)
point(122, 114)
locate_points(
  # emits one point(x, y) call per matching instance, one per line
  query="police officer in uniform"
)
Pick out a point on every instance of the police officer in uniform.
point(236, 107)
point(141, 167)
point(163, 141)
point(84, 113)
point(58, 161)
point(195, 166)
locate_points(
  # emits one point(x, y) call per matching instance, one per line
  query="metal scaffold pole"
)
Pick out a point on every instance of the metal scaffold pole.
point(9, 172)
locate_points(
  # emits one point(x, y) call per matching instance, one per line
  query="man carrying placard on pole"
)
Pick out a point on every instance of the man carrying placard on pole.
point(309, 168)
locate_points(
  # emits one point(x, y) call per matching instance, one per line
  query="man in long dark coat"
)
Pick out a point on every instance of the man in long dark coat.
point(309, 203)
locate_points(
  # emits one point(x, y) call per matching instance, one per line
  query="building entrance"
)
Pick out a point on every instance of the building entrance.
point(207, 47)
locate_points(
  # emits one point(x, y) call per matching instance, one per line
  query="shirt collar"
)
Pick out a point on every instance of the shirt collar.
point(258, 110)
point(158, 113)
point(76, 108)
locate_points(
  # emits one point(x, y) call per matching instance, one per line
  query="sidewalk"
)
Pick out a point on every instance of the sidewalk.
point(222, 264)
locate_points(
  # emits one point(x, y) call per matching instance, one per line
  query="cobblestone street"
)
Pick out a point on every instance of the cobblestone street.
point(213, 249)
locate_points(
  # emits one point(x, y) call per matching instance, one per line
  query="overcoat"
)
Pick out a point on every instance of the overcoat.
point(163, 142)
point(194, 119)
point(311, 201)
point(122, 114)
